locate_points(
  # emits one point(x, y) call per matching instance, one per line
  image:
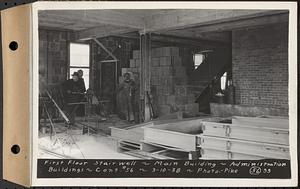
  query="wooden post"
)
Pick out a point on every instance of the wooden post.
point(145, 57)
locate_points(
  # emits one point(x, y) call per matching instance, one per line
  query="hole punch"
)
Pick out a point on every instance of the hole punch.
point(15, 149)
point(13, 45)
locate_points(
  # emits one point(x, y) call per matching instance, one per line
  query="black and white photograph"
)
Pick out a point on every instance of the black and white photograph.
point(164, 84)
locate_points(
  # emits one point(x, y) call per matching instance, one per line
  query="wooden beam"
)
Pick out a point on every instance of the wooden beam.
point(145, 53)
point(158, 39)
point(187, 41)
point(100, 32)
point(105, 49)
point(189, 18)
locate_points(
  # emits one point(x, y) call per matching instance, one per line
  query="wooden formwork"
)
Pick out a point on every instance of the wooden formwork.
point(209, 138)
point(249, 148)
point(245, 138)
point(247, 132)
point(129, 139)
point(181, 134)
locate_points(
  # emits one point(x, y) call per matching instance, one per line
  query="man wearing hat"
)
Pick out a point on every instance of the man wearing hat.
point(73, 93)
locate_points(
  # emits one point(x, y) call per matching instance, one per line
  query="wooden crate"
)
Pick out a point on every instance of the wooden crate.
point(181, 134)
point(266, 150)
point(266, 134)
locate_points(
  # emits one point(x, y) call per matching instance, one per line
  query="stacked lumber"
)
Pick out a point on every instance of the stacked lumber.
point(245, 138)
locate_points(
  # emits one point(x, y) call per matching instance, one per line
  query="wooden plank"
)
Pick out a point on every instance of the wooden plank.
point(221, 155)
point(162, 152)
point(165, 146)
point(188, 126)
point(145, 74)
point(105, 49)
point(246, 147)
point(273, 122)
point(134, 145)
point(133, 135)
point(247, 132)
point(170, 138)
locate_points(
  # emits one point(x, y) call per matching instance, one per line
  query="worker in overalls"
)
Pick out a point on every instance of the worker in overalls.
point(127, 97)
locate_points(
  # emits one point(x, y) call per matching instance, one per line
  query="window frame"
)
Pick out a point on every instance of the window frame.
point(194, 55)
point(78, 67)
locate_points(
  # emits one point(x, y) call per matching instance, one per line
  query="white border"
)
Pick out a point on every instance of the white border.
point(292, 6)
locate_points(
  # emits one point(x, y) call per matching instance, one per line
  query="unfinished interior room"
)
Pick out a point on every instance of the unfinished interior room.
point(163, 84)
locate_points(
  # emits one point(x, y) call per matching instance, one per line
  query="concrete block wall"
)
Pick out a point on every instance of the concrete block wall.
point(168, 80)
point(53, 57)
point(260, 66)
point(122, 49)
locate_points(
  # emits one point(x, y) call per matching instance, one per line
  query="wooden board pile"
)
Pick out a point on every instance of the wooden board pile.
point(249, 138)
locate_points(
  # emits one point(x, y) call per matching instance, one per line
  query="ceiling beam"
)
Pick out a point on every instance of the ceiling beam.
point(187, 41)
point(99, 32)
point(98, 17)
point(163, 40)
point(190, 18)
point(244, 23)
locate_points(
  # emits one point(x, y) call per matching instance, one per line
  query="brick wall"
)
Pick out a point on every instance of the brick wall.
point(53, 57)
point(260, 66)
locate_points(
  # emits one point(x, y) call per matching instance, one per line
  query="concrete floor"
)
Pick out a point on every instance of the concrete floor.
point(71, 143)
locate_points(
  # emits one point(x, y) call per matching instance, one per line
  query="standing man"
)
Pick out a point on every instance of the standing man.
point(81, 80)
point(81, 108)
point(73, 93)
point(127, 94)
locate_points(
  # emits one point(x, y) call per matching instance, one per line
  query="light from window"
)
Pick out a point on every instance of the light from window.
point(198, 59)
point(80, 60)
point(223, 81)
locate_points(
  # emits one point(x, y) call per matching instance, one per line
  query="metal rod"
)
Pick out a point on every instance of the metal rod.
point(60, 111)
